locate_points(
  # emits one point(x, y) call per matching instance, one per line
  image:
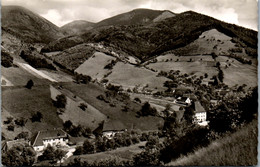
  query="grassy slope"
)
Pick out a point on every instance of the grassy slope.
point(117, 118)
point(94, 66)
point(20, 77)
point(22, 102)
point(123, 153)
point(238, 149)
point(91, 117)
point(196, 67)
point(128, 76)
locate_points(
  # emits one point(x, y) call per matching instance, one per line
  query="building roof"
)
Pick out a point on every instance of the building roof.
point(113, 126)
point(48, 134)
point(9, 144)
point(182, 99)
point(198, 107)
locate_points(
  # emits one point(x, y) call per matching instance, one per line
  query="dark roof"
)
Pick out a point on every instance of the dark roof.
point(182, 99)
point(48, 134)
point(113, 125)
point(198, 107)
point(9, 144)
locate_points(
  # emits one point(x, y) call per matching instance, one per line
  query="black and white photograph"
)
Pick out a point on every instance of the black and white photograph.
point(129, 83)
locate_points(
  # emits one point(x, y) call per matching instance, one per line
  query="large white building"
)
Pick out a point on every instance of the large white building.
point(56, 137)
point(200, 114)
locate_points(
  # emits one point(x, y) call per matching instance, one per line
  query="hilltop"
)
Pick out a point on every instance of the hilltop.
point(76, 27)
point(136, 17)
point(154, 38)
point(28, 26)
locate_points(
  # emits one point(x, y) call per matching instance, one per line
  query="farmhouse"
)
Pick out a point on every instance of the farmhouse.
point(200, 114)
point(9, 144)
point(110, 129)
point(183, 100)
point(56, 137)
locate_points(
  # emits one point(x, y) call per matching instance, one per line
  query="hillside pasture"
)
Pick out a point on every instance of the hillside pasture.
point(10, 134)
point(58, 76)
point(19, 77)
point(116, 118)
point(22, 102)
point(123, 153)
point(129, 76)
point(237, 149)
point(198, 66)
point(90, 118)
point(208, 42)
point(94, 66)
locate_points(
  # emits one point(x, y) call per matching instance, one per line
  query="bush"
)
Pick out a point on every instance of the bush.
point(20, 122)
point(36, 117)
point(137, 100)
point(61, 101)
point(147, 110)
point(37, 62)
point(22, 135)
point(10, 127)
point(9, 120)
point(29, 84)
point(83, 106)
point(6, 59)
point(79, 150)
point(88, 147)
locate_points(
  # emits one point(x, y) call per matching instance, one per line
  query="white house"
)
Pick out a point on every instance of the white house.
point(56, 137)
point(200, 114)
point(183, 100)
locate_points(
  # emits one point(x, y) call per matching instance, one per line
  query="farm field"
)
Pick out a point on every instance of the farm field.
point(129, 76)
point(94, 66)
point(199, 65)
point(116, 118)
point(123, 153)
point(29, 101)
point(10, 134)
point(208, 42)
point(90, 118)
point(238, 73)
point(19, 77)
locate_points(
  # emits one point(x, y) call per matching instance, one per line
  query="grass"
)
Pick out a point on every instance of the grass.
point(208, 41)
point(91, 117)
point(123, 153)
point(197, 66)
point(22, 102)
point(238, 73)
point(10, 134)
point(116, 118)
point(94, 66)
point(237, 149)
point(129, 76)
point(20, 77)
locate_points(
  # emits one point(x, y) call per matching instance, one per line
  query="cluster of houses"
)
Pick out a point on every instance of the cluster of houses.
point(200, 113)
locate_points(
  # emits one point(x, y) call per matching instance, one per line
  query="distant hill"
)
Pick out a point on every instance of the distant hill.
point(135, 17)
point(28, 26)
point(76, 27)
point(158, 37)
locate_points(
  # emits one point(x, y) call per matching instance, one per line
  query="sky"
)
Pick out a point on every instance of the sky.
point(60, 12)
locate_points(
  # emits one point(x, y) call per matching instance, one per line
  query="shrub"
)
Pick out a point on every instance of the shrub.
point(10, 127)
point(83, 106)
point(29, 84)
point(37, 62)
point(61, 101)
point(22, 135)
point(36, 117)
point(6, 59)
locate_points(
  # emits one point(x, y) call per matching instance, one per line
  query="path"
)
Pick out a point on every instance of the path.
point(35, 72)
